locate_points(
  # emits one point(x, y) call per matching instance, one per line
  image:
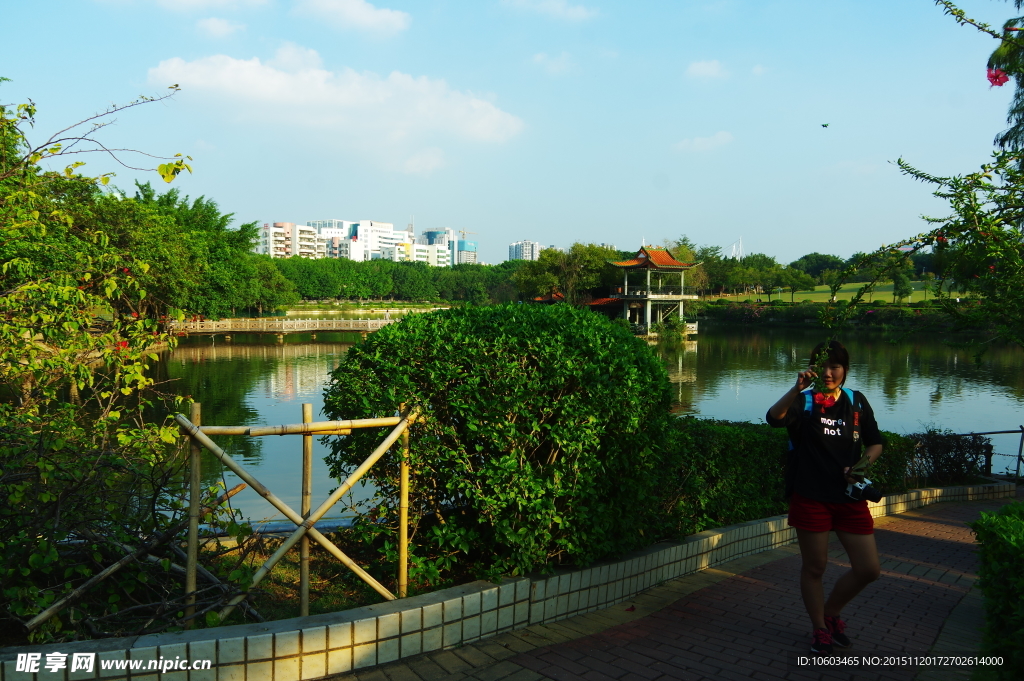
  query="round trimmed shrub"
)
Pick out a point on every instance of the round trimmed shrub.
point(539, 443)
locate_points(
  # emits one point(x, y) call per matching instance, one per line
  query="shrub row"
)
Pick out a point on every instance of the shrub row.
point(1001, 536)
point(869, 314)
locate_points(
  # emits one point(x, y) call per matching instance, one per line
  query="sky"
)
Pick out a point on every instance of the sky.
point(546, 120)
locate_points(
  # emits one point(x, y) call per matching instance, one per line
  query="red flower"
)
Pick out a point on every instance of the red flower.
point(997, 77)
point(941, 239)
point(823, 399)
point(135, 314)
point(991, 268)
point(121, 345)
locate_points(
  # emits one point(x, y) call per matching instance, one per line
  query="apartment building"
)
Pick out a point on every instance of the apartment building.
point(285, 239)
point(432, 254)
point(524, 250)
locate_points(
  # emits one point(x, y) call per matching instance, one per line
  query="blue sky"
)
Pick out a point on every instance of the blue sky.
point(549, 120)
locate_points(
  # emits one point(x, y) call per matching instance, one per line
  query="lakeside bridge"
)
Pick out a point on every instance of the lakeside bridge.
point(279, 325)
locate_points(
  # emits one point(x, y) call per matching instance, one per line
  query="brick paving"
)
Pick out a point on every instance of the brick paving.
point(745, 619)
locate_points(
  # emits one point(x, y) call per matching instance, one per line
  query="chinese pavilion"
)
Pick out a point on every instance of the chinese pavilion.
point(656, 299)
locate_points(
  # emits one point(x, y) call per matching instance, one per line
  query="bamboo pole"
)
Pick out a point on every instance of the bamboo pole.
point(307, 524)
point(161, 538)
point(244, 430)
point(287, 511)
point(403, 520)
point(320, 426)
point(307, 494)
point(192, 553)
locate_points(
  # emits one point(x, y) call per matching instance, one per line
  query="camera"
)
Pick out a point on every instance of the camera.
point(859, 491)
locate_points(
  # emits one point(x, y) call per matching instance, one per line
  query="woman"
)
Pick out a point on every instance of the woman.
point(827, 430)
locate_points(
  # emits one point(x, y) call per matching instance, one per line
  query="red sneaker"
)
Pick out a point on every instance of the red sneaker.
point(836, 627)
point(822, 642)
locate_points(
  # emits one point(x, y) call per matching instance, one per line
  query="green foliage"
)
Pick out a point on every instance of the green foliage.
point(1001, 539)
point(942, 457)
point(815, 264)
point(981, 246)
point(84, 476)
point(893, 472)
point(573, 273)
point(541, 425)
point(722, 473)
point(330, 278)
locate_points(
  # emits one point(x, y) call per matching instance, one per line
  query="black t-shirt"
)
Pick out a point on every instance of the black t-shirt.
point(823, 445)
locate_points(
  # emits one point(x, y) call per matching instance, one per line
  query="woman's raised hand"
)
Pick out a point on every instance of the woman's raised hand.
point(804, 379)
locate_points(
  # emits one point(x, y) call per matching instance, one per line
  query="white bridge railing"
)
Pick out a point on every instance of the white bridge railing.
point(279, 325)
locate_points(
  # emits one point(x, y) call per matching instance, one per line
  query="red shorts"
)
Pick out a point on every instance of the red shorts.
point(818, 516)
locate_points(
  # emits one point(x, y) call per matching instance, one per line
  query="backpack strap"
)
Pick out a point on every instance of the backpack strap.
point(855, 401)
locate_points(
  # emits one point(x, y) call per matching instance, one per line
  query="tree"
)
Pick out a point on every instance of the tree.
point(685, 250)
point(816, 263)
point(413, 282)
point(772, 278)
point(84, 470)
point(574, 272)
point(270, 289)
point(901, 287)
point(218, 258)
point(797, 280)
point(981, 246)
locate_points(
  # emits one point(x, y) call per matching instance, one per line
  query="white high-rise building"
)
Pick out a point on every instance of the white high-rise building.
point(432, 254)
point(285, 239)
point(524, 250)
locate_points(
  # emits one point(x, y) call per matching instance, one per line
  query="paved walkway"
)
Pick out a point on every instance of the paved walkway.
point(744, 619)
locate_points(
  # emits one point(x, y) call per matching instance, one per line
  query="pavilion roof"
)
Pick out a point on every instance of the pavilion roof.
point(652, 258)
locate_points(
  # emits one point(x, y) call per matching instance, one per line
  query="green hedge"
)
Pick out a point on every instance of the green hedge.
point(729, 472)
point(942, 457)
point(541, 442)
point(723, 473)
point(1001, 536)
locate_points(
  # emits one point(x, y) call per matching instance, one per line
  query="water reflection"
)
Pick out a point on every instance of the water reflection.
point(730, 374)
point(256, 380)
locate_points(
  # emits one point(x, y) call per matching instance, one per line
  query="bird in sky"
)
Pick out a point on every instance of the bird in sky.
point(824, 125)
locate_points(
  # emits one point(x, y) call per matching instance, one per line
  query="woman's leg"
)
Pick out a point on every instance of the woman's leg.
point(863, 553)
point(814, 556)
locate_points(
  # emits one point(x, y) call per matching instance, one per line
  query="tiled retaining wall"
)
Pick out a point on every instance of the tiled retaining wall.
point(313, 647)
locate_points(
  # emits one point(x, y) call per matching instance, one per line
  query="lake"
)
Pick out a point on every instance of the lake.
point(725, 373)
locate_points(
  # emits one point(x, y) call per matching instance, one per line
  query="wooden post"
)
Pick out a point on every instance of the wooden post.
point(403, 520)
point(307, 496)
point(194, 485)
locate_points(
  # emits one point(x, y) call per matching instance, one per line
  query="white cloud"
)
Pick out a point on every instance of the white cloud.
point(553, 65)
point(357, 14)
point(719, 139)
point(195, 5)
point(706, 69)
point(388, 117)
point(295, 58)
point(218, 28)
point(556, 9)
point(759, 70)
point(424, 162)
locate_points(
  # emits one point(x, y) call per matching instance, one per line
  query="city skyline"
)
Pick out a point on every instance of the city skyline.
point(548, 120)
